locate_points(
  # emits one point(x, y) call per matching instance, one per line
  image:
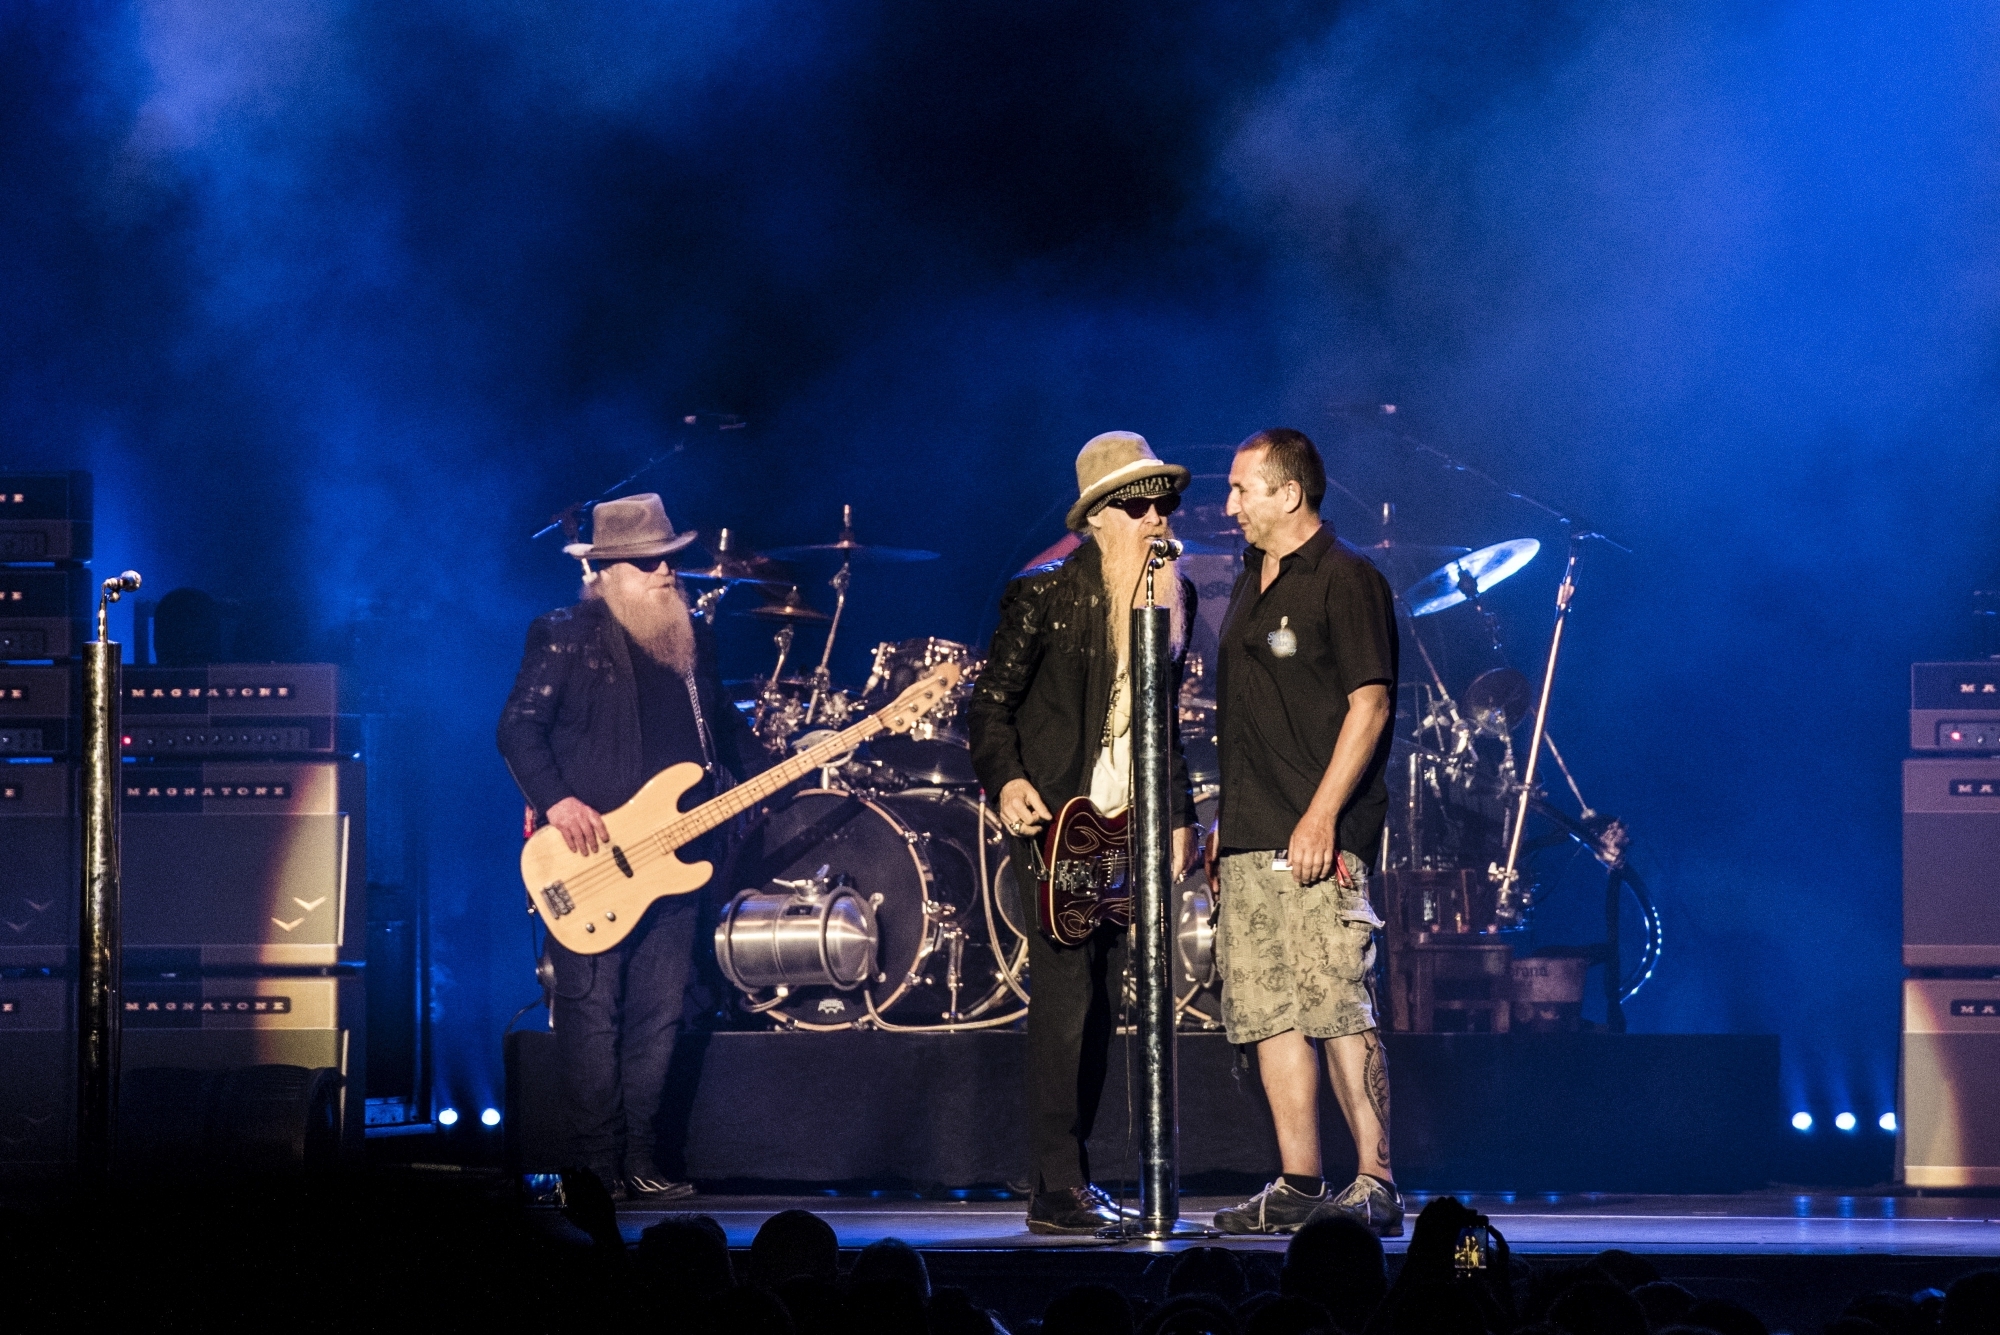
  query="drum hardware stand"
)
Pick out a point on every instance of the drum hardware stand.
point(570, 518)
point(822, 679)
point(1511, 905)
point(98, 966)
point(1152, 929)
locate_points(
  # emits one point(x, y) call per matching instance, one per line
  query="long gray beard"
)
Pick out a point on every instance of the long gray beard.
point(1125, 588)
point(661, 628)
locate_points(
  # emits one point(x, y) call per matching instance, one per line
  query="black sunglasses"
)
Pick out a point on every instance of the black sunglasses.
point(645, 564)
point(1136, 506)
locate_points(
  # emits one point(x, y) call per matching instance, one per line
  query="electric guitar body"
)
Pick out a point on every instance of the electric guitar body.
point(591, 901)
point(1085, 877)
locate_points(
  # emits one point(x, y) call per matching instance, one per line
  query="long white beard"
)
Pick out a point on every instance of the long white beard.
point(658, 624)
point(1124, 566)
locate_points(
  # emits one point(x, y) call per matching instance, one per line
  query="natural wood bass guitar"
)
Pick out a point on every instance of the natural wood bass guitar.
point(1085, 877)
point(590, 901)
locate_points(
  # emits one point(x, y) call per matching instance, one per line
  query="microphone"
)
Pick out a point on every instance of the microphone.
point(1167, 549)
point(124, 583)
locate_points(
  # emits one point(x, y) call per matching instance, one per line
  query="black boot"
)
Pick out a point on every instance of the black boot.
point(1069, 1210)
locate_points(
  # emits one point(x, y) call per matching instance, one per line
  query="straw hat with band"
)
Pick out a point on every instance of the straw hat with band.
point(1116, 466)
point(627, 528)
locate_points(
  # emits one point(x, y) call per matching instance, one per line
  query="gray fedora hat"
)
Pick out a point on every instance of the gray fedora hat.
point(628, 527)
point(1113, 462)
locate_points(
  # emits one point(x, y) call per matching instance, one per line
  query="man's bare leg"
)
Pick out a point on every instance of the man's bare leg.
point(1290, 1071)
point(1359, 1069)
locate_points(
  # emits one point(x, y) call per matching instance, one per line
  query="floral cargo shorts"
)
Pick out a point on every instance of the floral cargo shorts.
point(1293, 956)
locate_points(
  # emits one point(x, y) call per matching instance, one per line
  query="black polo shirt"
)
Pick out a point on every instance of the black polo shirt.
point(1279, 714)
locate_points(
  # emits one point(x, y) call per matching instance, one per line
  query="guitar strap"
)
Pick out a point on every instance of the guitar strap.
point(700, 723)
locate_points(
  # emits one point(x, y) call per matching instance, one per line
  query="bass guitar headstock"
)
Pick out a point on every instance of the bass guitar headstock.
point(922, 696)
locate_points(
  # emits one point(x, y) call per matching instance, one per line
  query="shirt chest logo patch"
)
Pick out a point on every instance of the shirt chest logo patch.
point(1284, 641)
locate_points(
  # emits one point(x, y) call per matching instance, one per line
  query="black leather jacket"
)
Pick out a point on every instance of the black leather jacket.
point(1037, 710)
point(571, 724)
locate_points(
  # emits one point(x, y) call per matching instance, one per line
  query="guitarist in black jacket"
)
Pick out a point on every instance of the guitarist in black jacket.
point(611, 691)
point(1050, 720)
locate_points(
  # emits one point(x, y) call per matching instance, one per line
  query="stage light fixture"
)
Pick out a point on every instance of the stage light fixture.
point(448, 1117)
point(491, 1117)
point(1887, 1121)
point(1845, 1121)
point(1801, 1121)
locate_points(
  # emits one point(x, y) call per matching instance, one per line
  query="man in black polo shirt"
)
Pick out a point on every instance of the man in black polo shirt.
point(1305, 691)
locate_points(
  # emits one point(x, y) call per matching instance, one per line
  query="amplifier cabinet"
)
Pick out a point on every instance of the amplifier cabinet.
point(212, 1023)
point(37, 1074)
point(38, 710)
point(40, 864)
point(1951, 862)
point(43, 611)
point(44, 539)
point(199, 1024)
point(244, 864)
point(1948, 1122)
point(45, 496)
point(230, 709)
point(1955, 706)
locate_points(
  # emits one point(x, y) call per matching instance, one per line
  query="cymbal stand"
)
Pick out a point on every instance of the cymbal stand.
point(1510, 907)
point(822, 679)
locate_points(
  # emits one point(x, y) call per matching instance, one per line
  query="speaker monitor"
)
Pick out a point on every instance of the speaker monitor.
point(1951, 863)
point(1949, 1123)
point(40, 864)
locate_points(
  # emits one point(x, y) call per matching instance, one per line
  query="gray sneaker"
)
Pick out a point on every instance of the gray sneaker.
point(1369, 1201)
point(1276, 1209)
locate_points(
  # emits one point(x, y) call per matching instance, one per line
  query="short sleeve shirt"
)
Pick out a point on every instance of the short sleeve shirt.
point(1290, 656)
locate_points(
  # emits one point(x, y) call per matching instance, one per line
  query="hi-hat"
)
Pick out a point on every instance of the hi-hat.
point(1446, 586)
point(735, 566)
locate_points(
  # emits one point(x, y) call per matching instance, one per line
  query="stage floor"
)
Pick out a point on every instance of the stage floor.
point(1748, 1225)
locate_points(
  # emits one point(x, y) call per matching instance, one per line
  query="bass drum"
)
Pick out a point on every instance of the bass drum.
point(914, 857)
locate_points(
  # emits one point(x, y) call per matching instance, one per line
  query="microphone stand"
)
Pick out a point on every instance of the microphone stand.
point(570, 518)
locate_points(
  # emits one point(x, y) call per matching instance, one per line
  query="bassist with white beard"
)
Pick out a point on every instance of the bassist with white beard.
point(611, 691)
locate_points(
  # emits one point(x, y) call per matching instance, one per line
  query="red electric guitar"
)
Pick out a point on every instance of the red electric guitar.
point(1085, 876)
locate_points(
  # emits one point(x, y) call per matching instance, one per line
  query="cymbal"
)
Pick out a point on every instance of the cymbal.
point(1487, 567)
point(732, 573)
point(854, 552)
point(793, 609)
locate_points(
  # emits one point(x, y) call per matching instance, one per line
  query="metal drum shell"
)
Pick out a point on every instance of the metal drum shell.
point(937, 750)
point(766, 940)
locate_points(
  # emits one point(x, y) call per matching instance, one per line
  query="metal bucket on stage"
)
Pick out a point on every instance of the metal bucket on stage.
point(819, 935)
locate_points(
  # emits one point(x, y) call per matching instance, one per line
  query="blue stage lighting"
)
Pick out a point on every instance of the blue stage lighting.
point(1845, 1121)
point(1887, 1121)
point(491, 1117)
point(1802, 1121)
point(448, 1117)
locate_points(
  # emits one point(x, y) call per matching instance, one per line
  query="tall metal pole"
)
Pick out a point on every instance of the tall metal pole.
point(1152, 930)
point(1510, 908)
point(97, 1017)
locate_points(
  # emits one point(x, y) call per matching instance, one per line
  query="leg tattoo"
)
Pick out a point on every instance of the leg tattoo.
point(1375, 1076)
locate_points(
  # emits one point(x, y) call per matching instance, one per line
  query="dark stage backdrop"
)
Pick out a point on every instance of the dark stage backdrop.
point(341, 298)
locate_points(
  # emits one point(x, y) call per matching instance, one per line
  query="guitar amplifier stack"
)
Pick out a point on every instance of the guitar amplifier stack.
point(243, 910)
point(1949, 1110)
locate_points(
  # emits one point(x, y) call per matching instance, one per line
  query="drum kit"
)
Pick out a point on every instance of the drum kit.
point(883, 897)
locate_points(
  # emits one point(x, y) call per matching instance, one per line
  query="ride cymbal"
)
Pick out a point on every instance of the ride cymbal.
point(1446, 586)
